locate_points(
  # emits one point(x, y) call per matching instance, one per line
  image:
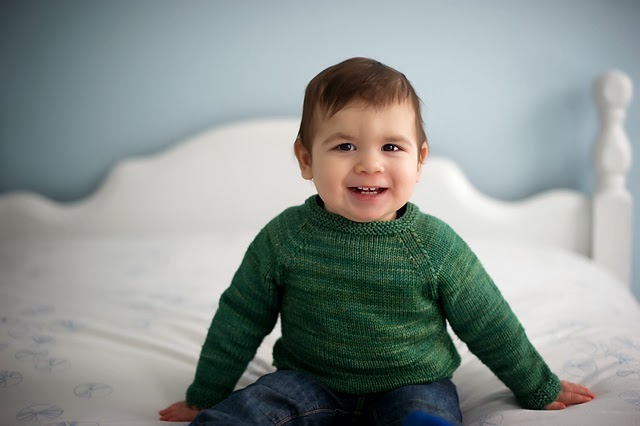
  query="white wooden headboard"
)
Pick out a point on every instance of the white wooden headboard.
point(236, 177)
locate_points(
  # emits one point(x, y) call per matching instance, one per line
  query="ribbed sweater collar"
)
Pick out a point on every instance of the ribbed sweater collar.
point(321, 217)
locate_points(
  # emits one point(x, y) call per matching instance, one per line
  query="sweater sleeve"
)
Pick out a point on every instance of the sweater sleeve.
point(247, 312)
point(482, 318)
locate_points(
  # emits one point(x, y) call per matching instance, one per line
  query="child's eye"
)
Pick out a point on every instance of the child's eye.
point(346, 147)
point(390, 147)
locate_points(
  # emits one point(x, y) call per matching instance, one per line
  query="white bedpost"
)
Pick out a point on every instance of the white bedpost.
point(612, 202)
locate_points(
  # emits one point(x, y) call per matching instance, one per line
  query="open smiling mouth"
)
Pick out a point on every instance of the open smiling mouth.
point(368, 190)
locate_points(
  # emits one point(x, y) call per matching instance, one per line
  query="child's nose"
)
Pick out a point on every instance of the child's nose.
point(369, 162)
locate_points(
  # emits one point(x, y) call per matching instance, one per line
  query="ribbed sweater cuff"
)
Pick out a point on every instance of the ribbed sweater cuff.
point(203, 398)
point(543, 396)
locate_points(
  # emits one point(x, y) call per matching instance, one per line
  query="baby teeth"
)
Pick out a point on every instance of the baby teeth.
point(367, 190)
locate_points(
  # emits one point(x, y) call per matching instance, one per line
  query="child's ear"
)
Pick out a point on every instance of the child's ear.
point(304, 159)
point(422, 156)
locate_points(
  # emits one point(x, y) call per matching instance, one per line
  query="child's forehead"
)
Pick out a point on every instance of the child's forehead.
point(361, 106)
point(395, 121)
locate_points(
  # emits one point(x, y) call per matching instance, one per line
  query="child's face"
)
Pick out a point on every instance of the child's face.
point(365, 161)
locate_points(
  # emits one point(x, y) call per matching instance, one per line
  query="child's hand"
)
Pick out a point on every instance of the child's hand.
point(570, 394)
point(179, 412)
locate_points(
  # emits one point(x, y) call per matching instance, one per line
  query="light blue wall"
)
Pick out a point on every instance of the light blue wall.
point(506, 84)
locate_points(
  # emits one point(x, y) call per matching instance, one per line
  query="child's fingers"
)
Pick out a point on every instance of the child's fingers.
point(574, 387)
point(570, 398)
point(586, 391)
point(178, 412)
point(570, 394)
point(573, 393)
point(165, 411)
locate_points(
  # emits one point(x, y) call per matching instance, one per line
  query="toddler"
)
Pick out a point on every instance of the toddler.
point(364, 284)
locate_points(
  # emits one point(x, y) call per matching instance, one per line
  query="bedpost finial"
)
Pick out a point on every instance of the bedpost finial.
point(613, 89)
point(612, 151)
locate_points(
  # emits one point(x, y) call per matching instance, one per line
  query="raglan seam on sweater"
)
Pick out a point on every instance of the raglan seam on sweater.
point(424, 259)
point(273, 262)
point(441, 277)
point(295, 239)
point(427, 261)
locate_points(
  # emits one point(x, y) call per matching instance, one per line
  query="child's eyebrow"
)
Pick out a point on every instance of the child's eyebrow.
point(345, 136)
point(338, 136)
point(396, 138)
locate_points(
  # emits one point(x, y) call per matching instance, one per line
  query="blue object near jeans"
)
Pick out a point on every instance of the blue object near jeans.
point(294, 398)
point(419, 418)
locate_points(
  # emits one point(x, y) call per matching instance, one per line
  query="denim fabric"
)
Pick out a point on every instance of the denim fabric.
point(294, 398)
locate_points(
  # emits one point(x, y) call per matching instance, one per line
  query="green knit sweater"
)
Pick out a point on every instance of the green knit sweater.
point(364, 307)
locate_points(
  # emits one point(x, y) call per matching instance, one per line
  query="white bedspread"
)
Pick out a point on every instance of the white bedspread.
point(108, 331)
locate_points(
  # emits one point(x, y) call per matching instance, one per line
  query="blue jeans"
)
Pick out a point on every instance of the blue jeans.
point(294, 398)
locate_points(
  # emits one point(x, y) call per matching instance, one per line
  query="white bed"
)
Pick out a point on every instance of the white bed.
point(104, 303)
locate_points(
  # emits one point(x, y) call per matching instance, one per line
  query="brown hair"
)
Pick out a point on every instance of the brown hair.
point(355, 79)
